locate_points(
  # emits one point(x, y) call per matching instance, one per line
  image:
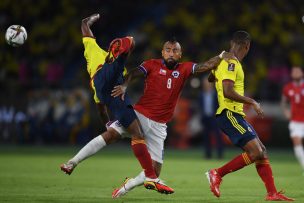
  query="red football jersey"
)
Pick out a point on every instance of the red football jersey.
point(162, 89)
point(295, 95)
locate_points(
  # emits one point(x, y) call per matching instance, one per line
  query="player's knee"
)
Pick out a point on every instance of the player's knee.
point(135, 130)
point(110, 136)
point(256, 155)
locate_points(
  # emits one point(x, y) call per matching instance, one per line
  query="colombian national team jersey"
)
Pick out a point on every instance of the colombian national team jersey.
point(229, 71)
point(162, 89)
point(295, 95)
point(95, 56)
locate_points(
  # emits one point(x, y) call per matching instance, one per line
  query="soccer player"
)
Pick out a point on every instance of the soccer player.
point(106, 71)
point(230, 118)
point(164, 80)
point(293, 93)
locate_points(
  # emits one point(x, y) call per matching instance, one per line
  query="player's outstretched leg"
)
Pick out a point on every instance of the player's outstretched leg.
point(88, 150)
point(215, 181)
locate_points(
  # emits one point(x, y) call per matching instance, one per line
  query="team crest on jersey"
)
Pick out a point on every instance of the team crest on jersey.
point(162, 72)
point(231, 66)
point(175, 74)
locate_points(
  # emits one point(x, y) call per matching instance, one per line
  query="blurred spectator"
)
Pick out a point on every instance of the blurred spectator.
point(211, 133)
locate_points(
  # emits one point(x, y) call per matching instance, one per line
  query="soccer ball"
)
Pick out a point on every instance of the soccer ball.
point(15, 35)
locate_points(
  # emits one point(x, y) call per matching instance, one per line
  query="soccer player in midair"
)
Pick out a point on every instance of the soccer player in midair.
point(230, 118)
point(106, 71)
point(293, 93)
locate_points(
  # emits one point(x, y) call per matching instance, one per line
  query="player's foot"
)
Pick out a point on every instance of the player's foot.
point(68, 168)
point(278, 196)
point(214, 181)
point(158, 185)
point(122, 190)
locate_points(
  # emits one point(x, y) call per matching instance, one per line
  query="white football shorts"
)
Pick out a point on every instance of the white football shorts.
point(296, 129)
point(155, 134)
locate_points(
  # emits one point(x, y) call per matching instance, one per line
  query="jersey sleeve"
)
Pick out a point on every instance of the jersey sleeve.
point(145, 67)
point(90, 46)
point(227, 70)
point(190, 68)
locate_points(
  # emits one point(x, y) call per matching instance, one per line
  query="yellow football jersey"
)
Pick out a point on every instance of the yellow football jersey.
point(94, 55)
point(229, 71)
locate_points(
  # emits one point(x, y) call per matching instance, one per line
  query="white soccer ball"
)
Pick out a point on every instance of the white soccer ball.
point(15, 35)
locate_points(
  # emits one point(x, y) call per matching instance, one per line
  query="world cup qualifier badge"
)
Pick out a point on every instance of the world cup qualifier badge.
point(175, 74)
point(231, 66)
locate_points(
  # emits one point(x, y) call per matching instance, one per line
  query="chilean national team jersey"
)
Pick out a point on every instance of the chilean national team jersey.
point(162, 89)
point(295, 95)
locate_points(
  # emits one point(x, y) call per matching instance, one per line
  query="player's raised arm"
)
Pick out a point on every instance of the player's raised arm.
point(120, 90)
point(86, 24)
point(213, 62)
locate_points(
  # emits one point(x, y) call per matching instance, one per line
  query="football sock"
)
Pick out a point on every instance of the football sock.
point(143, 156)
point(235, 164)
point(298, 150)
point(138, 180)
point(264, 170)
point(89, 149)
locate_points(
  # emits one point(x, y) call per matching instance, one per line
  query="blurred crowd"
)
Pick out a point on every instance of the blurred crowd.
point(49, 116)
point(51, 61)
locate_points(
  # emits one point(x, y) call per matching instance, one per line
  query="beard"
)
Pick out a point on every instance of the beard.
point(170, 63)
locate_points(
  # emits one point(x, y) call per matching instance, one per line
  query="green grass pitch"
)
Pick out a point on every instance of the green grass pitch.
point(31, 174)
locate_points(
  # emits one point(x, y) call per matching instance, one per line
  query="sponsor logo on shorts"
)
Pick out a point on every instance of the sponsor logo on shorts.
point(118, 124)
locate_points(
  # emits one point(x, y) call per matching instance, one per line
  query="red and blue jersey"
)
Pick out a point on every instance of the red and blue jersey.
point(295, 95)
point(162, 88)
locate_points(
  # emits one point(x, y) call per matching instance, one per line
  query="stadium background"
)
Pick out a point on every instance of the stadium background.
point(45, 95)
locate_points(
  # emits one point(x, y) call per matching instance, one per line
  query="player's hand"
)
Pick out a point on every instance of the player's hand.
point(119, 90)
point(227, 56)
point(258, 109)
point(287, 114)
point(92, 19)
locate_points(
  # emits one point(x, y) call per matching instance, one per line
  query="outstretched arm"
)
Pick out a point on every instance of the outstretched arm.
point(120, 90)
point(86, 24)
point(213, 62)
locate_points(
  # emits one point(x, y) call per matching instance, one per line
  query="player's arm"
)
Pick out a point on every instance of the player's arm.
point(120, 90)
point(211, 77)
point(230, 93)
point(86, 24)
point(285, 106)
point(213, 62)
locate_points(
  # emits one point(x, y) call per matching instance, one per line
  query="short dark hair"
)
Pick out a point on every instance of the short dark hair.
point(241, 37)
point(172, 40)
